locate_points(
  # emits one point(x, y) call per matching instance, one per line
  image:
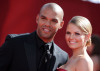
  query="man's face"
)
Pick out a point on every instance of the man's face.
point(49, 22)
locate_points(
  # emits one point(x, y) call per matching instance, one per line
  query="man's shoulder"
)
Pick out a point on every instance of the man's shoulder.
point(16, 36)
point(19, 36)
point(61, 54)
point(57, 47)
point(60, 50)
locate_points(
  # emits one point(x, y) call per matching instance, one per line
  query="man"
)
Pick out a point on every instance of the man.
point(26, 52)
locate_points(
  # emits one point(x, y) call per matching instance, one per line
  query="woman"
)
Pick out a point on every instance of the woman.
point(78, 37)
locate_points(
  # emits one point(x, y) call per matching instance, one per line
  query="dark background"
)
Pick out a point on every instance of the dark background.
point(18, 16)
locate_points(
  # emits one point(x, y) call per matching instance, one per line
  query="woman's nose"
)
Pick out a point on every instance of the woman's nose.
point(71, 36)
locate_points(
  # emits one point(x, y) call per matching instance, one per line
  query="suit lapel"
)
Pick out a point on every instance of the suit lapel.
point(56, 54)
point(53, 61)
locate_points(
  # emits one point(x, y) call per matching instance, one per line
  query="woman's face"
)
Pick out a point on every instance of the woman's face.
point(75, 37)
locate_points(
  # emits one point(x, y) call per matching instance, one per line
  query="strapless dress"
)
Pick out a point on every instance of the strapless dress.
point(61, 70)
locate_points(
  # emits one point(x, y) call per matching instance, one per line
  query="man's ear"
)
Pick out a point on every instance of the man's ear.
point(61, 24)
point(37, 18)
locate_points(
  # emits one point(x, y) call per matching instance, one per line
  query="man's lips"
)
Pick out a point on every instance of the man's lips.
point(46, 30)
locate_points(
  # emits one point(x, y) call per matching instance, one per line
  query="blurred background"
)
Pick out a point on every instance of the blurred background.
point(19, 16)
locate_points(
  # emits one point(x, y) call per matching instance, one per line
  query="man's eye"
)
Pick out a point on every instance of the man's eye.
point(54, 20)
point(43, 18)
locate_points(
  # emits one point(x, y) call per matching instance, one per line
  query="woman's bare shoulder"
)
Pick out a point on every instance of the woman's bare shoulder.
point(84, 64)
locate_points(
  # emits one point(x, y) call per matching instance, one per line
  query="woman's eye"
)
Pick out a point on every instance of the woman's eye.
point(67, 32)
point(77, 33)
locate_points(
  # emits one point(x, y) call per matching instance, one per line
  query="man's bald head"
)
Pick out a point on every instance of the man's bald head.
point(53, 6)
point(49, 21)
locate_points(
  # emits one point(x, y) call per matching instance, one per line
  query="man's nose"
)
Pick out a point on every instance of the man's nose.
point(48, 23)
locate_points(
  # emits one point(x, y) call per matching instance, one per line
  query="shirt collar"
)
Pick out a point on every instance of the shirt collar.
point(40, 42)
point(50, 44)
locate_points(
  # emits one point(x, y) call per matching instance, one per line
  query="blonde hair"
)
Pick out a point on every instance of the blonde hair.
point(84, 24)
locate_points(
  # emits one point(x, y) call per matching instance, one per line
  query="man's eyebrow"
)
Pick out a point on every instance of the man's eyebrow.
point(42, 15)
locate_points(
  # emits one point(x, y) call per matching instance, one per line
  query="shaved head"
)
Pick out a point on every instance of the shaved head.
point(49, 20)
point(55, 7)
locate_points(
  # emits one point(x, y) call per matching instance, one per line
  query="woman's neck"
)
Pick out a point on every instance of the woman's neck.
point(79, 51)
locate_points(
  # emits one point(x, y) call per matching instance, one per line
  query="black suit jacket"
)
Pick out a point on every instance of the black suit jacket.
point(18, 53)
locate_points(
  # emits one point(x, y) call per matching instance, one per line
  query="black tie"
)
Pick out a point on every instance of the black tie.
point(43, 66)
point(48, 55)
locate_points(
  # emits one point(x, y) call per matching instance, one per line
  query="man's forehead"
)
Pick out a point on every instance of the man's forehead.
point(49, 17)
point(50, 12)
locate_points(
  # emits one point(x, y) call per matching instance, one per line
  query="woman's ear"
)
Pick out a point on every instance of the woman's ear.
point(88, 36)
